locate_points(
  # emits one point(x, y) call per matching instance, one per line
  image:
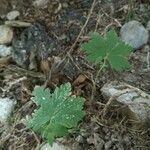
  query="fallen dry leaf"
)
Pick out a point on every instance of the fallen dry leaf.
point(44, 66)
point(80, 79)
point(5, 61)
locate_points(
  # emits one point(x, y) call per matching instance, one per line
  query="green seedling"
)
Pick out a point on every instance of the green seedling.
point(57, 112)
point(107, 51)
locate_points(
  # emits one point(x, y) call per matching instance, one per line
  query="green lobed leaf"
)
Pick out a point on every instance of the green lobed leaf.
point(110, 47)
point(57, 112)
point(93, 47)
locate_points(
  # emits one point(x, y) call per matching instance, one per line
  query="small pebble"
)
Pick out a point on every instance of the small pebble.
point(134, 34)
point(40, 3)
point(79, 139)
point(5, 51)
point(76, 146)
point(13, 15)
point(108, 145)
point(6, 107)
point(55, 146)
point(6, 34)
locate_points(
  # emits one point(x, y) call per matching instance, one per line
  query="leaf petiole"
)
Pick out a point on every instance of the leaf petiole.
point(96, 78)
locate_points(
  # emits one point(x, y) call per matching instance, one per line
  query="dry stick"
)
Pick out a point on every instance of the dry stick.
point(114, 19)
point(74, 44)
point(89, 15)
point(77, 39)
point(103, 112)
point(148, 60)
point(111, 99)
point(98, 21)
point(10, 84)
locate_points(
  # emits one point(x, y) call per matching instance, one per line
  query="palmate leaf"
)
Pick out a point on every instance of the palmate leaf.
point(110, 47)
point(57, 112)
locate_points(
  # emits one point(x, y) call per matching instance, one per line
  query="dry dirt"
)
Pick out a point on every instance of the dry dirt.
point(68, 26)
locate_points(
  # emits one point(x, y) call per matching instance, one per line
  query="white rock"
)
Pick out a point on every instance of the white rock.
point(40, 3)
point(13, 15)
point(136, 102)
point(6, 107)
point(5, 50)
point(134, 34)
point(55, 146)
point(6, 34)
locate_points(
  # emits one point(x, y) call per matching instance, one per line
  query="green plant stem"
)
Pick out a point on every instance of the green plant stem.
point(96, 78)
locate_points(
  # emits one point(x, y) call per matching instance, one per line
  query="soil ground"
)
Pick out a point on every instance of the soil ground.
point(68, 23)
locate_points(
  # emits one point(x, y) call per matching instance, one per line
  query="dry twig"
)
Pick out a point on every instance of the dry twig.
point(89, 15)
